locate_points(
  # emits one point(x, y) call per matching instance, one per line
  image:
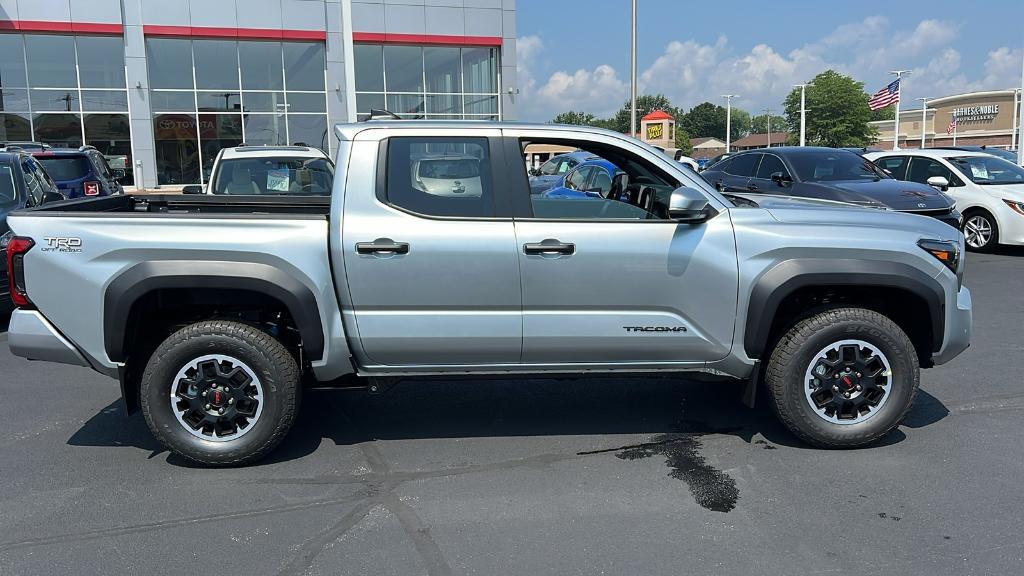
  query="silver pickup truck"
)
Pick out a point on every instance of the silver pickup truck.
point(215, 312)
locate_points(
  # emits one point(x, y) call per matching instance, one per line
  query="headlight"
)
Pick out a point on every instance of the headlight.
point(1017, 207)
point(945, 251)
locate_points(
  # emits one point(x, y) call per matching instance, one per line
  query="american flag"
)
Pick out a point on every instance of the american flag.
point(952, 126)
point(886, 96)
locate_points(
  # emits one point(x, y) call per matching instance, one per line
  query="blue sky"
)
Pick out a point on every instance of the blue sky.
point(574, 54)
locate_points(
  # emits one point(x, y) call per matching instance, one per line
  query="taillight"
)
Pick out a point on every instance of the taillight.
point(92, 188)
point(16, 249)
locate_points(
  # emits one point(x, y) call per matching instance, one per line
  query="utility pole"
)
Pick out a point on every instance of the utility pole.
point(924, 117)
point(899, 94)
point(768, 118)
point(632, 76)
point(803, 113)
point(728, 120)
point(1020, 136)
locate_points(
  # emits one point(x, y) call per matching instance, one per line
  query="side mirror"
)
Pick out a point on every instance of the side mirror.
point(192, 189)
point(52, 197)
point(118, 173)
point(688, 205)
point(781, 179)
point(939, 182)
point(534, 171)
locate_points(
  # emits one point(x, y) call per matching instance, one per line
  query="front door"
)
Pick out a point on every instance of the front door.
point(432, 273)
point(612, 280)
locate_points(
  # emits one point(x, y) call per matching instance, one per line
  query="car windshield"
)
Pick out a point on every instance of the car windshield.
point(449, 168)
point(832, 166)
point(988, 170)
point(554, 166)
point(274, 175)
point(62, 168)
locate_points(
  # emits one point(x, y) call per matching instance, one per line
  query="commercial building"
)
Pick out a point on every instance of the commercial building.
point(707, 147)
point(982, 118)
point(764, 140)
point(163, 85)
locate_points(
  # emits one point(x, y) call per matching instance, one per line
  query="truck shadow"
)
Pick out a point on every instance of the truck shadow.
point(509, 408)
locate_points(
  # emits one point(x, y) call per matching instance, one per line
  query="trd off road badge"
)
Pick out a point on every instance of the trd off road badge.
point(62, 244)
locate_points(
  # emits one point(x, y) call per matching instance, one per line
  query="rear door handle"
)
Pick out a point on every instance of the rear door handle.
point(382, 245)
point(751, 186)
point(549, 247)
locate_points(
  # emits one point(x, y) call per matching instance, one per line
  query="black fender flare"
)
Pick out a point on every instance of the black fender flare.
point(125, 290)
point(789, 276)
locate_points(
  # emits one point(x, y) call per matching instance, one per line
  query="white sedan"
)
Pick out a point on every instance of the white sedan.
point(989, 191)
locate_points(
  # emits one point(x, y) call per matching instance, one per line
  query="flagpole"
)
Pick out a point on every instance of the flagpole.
point(899, 93)
point(955, 126)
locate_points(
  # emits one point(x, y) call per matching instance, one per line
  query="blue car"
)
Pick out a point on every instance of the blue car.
point(554, 170)
point(590, 179)
point(82, 172)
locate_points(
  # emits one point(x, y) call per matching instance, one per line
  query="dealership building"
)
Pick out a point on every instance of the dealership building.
point(163, 85)
point(982, 118)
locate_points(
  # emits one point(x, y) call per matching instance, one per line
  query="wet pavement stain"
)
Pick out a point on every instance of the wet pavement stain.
point(711, 488)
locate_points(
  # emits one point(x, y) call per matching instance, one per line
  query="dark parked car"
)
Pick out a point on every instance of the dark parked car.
point(998, 152)
point(829, 174)
point(593, 178)
point(552, 171)
point(82, 172)
point(23, 184)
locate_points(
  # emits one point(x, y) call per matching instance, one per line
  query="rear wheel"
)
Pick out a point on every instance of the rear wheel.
point(981, 232)
point(221, 393)
point(843, 378)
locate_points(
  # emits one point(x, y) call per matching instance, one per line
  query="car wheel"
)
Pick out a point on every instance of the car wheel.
point(220, 393)
point(843, 378)
point(981, 232)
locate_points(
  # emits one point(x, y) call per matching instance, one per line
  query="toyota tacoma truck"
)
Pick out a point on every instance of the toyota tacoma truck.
point(216, 313)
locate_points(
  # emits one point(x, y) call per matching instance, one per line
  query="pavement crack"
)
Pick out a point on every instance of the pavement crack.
point(420, 535)
point(316, 545)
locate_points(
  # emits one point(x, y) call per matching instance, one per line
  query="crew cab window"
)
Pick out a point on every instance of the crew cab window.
point(638, 191)
point(440, 176)
point(921, 169)
point(895, 165)
point(743, 165)
point(770, 164)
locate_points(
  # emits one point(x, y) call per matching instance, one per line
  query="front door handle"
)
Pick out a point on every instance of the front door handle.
point(382, 245)
point(751, 186)
point(549, 246)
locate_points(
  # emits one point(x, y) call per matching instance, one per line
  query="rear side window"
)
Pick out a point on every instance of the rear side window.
point(743, 165)
point(63, 168)
point(770, 164)
point(440, 176)
point(274, 176)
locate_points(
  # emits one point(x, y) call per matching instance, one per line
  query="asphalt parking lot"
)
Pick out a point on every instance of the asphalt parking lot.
point(592, 476)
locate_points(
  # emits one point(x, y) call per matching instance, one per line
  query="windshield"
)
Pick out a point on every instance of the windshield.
point(66, 167)
point(274, 175)
point(988, 170)
point(449, 169)
point(557, 165)
point(833, 166)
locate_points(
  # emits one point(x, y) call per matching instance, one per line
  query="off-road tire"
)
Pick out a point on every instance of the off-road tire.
point(274, 365)
point(785, 375)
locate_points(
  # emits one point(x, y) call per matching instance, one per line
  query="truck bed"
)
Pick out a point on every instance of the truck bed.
point(177, 204)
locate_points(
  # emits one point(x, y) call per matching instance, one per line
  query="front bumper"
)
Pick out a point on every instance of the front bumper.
point(31, 336)
point(957, 335)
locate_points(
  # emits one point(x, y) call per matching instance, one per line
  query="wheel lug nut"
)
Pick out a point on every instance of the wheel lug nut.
point(231, 401)
point(859, 387)
point(204, 393)
point(220, 411)
point(207, 406)
point(847, 394)
point(835, 388)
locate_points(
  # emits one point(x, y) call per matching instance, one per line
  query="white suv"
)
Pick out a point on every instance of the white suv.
point(989, 191)
point(269, 170)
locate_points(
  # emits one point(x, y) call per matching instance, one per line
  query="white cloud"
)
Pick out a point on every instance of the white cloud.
point(689, 72)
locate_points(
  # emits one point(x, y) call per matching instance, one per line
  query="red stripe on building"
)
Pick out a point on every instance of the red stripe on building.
point(425, 39)
point(62, 27)
point(240, 33)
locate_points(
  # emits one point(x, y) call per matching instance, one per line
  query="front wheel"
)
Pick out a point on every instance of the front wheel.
point(981, 233)
point(843, 378)
point(221, 393)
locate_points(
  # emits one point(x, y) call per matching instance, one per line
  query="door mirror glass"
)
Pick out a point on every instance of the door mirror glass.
point(688, 205)
point(192, 189)
point(939, 182)
point(781, 178)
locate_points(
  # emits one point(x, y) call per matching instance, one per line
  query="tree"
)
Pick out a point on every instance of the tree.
point(683, 141)
point(740, 124)
point(838, 113)
point(576, 118)
point(644, 105)
point(759, 124)
point(704, 119)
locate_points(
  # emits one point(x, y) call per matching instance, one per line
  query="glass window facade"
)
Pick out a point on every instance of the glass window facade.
point(439, 82)
point(66, 91)
point(212, 94)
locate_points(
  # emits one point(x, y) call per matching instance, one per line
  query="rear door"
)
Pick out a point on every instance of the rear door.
point(739, 172)
point(762, 181)
point(433, 279)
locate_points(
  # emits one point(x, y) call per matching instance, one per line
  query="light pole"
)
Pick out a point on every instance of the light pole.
point(899, 93)
point(728, 119)
point(924, 117)
point(1020, 136)
point(768, 118)
point(632, 76)
point(803, 113)
point(1015, 109)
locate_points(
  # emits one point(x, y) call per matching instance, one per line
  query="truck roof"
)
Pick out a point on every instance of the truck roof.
point(346, 132)
point(265, 151)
